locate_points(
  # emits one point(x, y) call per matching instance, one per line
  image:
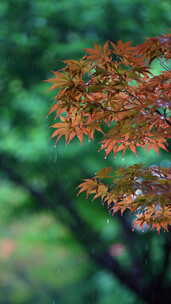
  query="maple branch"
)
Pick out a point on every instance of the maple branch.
point(165, 117)
point(115, 112)
point(163, 64)
point(132, 96)
point(157, 111)
point(167, 121)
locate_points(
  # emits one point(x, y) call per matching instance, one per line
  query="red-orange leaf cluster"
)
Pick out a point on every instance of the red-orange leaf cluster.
point(112, 90)
point(144, 191)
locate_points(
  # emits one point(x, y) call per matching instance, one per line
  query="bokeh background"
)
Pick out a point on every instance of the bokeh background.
point(56, 247)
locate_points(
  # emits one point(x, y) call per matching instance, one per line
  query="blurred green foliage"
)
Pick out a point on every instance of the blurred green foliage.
point(41, 259)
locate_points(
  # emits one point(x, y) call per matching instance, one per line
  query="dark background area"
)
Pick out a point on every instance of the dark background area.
point(57, 247)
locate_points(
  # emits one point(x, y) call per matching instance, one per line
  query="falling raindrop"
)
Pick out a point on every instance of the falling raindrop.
point(138, 192)
point(107, 221)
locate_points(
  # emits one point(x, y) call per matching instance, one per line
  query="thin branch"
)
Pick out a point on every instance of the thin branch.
point(167, 121)
point(163, 64)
